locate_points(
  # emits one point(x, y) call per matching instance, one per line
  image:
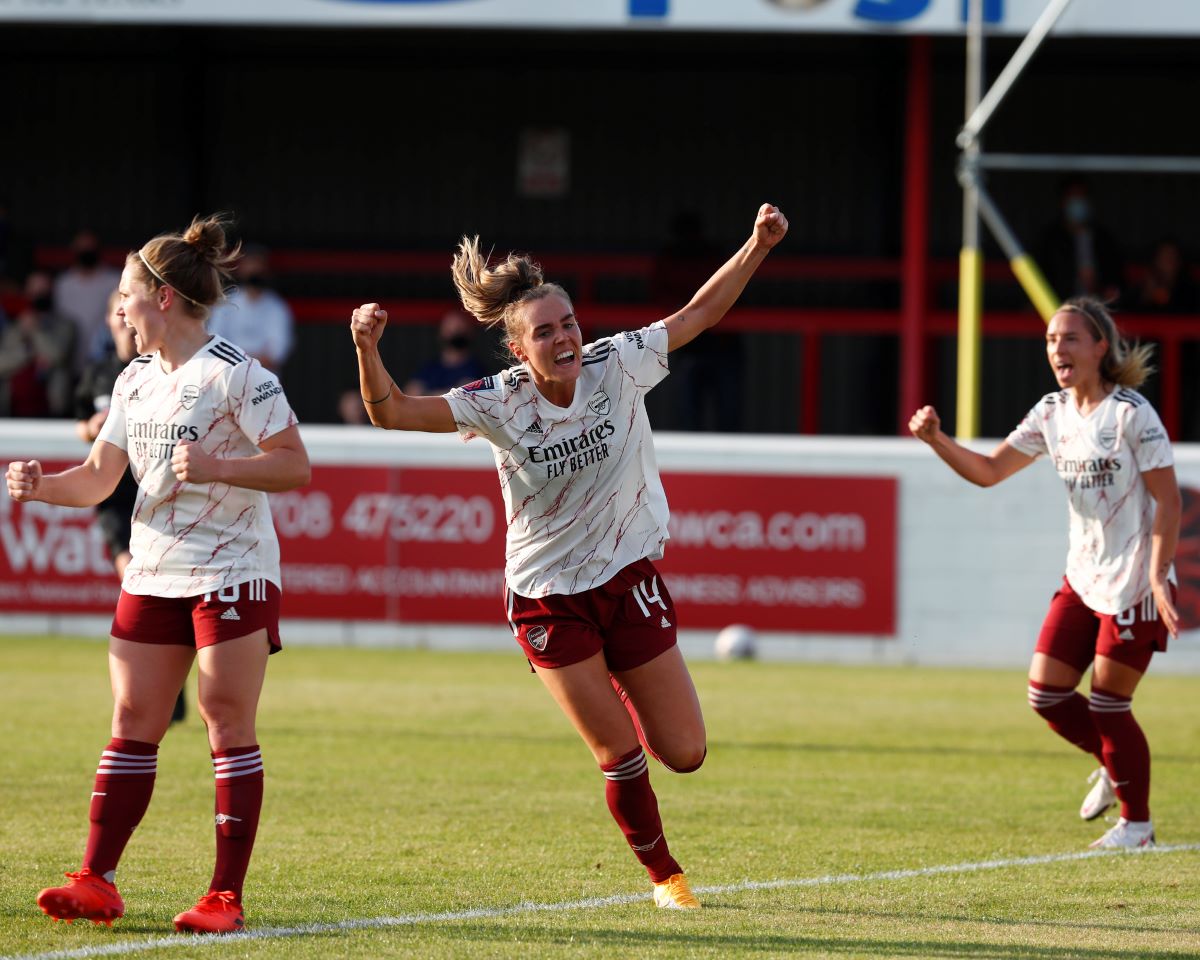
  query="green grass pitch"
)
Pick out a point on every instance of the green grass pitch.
point(446, 792)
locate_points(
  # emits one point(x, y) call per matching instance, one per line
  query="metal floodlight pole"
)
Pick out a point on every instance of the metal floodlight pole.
point(1023, 266)
point(1088, 163)
point(970, 259)
point(982, 111)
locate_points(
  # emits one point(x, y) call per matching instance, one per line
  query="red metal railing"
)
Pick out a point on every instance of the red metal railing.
point(810, 324)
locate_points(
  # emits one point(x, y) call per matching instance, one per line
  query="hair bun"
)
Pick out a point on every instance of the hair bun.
point(206, 235)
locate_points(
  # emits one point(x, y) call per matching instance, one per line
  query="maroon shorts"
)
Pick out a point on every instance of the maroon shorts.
point(631, 618)
point(202, 620)
point(1076, 634)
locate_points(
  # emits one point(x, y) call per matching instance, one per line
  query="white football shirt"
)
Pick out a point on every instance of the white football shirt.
point(1101, 457)
point(188, 538)
point(581, 489)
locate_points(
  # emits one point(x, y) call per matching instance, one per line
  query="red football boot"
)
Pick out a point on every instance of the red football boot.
point(217, 912)
point(87, 896)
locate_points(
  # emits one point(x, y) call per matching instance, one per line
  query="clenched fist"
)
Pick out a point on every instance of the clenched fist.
point(191, 464)
point(925, 424)
point(770, 226)
point(23, 477)
point(366, 325)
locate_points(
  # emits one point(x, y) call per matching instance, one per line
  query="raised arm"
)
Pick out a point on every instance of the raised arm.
point(386, 404)
point(82, 486)
point(713, 300)
point(1164, 538)
point(984, 470)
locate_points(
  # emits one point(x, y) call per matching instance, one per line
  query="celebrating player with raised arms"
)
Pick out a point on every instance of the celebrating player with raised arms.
point(586, 513)
point(207, 433)
point(1116, 606)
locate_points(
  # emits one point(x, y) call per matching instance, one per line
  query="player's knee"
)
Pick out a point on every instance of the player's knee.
point(687, 761)
point(228, 721)
point(134, 720)
point(1109, 709)
point(1043, 699)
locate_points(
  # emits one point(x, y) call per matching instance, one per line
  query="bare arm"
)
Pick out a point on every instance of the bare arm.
point(713, 300)
point(1164, 538)
point(984, 470)
point(282, 465)
point(82, 486)
point(386, 404)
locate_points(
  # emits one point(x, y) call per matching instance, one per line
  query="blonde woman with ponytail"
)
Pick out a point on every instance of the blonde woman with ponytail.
point(207, 433)
point(1116, 606)
point(586, 513)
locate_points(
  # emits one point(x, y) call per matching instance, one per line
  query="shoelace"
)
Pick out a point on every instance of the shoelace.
point(218, 900)
point(82, 874)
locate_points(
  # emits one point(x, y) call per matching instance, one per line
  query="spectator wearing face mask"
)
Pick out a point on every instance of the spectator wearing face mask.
point(81, 293)
point(36, 354)
point(1077, 254)
point(455, 365)
point(1167, 286)
point(254, 316)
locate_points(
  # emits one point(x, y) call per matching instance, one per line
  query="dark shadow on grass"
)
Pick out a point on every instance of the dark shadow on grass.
point(1096, 926)
point(382, 734)
point(774, 945)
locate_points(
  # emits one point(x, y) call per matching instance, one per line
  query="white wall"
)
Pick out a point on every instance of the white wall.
point(976, 567)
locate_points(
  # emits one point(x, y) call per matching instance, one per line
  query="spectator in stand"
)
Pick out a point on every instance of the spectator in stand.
point(455, 365)
point(254, 316)
point(351, 410)
point(93, 394)
point(1167, 287)
point(36, 355)
point(5, 242)
point(81, 293)
point(710, 369)
point(1078, 255)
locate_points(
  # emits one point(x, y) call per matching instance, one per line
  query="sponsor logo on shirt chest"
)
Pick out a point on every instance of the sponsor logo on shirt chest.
point(574, 453)
point(1088, 472)
point(154, 440)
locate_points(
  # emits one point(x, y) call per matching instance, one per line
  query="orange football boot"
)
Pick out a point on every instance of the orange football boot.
point(217, 912)
point(87, 896)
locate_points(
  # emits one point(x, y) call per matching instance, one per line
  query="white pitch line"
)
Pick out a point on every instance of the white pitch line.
point(484, 913)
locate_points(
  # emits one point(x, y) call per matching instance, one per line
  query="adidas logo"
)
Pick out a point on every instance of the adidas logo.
point(535, 427)
point(230, 614)
point(664, 623)
point(133, 397)
point(1125, 634)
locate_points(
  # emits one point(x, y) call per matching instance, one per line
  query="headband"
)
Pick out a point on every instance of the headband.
point(158, 276)
point(1091, 319)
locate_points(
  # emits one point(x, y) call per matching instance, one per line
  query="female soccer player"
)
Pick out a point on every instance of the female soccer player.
point(586, 513)
point(1116, 605)
point(207, 433)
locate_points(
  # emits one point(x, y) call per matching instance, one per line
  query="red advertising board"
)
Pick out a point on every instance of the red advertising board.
point(798, 554)
point(426, 545)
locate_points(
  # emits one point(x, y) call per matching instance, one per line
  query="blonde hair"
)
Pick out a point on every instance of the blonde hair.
point(196, 263)
point(1127, 363)
point(495, 295)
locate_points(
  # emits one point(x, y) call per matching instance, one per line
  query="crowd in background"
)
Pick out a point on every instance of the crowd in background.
point(60, 329)
point(55, 327)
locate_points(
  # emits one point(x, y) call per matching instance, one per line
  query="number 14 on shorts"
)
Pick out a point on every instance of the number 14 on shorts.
point(646, 593)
